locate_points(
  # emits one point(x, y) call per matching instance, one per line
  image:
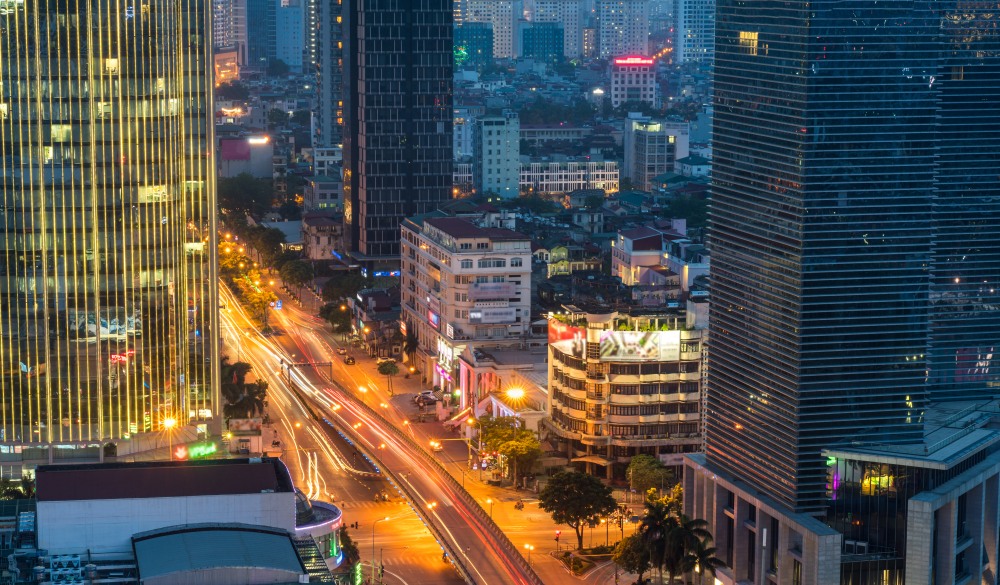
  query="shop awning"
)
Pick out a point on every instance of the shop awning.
point(458, 418)
point(592, 459)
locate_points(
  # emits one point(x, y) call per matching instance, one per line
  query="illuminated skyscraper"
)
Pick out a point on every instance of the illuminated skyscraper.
point(109, 300)
point(398, 63)
point(855, 236)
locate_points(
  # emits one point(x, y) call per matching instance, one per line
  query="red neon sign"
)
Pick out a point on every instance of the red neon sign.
point(633, 61)
point(121, 357)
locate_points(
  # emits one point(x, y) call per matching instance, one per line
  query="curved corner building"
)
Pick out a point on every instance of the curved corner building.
point(107, 210)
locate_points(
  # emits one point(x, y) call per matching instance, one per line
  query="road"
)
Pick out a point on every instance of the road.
point(485, 556)
point(409, 552)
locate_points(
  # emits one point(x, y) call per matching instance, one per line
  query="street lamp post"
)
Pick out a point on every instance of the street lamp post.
point(373, 545)
point(169, 425)
point(529, 548)
point(364, 393)
point(490, 502)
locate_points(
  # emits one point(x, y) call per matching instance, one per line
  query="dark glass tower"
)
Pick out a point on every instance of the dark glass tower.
point(855, 209)
point(397, 119)
point(107, 287)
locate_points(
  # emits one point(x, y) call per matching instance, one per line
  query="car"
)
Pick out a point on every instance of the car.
point(385, 360)
point(426, 400)
point(424, 394)
point(342, 351)
point(349, 360)
point(436, 446)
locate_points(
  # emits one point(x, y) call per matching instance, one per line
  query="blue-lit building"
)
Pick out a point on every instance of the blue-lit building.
point(542, 41)
point(473, 45)
point(855, 260)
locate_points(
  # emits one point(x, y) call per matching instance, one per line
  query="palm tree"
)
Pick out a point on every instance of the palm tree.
point(410, 343)
point(703, 560)
point(685, 536)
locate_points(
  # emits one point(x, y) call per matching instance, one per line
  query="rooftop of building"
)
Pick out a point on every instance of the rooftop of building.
point(161, 479)
point(461, 228)
point(211, 547)
point(953, 431)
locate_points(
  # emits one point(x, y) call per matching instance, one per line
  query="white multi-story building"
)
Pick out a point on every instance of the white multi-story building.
point(568, 13)
point(623, 27)
point(566, 176)
point(497, 155)
point(463, 284)
point(634, 253)
point(694, 40)
point(229, 26)
point(620, 385)
point(463, 125)
point(633, 79)
point(651, 148)
point(503, 15)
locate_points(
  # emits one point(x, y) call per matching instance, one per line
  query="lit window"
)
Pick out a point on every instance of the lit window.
point(111, 66)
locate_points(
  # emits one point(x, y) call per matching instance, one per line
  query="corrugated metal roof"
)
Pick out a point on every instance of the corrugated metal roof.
point(202, 547)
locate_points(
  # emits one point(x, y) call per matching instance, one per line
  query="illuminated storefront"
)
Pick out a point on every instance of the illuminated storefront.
point(108, 197)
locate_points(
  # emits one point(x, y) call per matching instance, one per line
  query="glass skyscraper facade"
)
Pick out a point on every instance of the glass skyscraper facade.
point(855, 230)
point(109, 303)
point(397, 119)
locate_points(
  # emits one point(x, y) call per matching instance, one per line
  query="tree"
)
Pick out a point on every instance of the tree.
point(646, 471)
point(574, 499)
point(276, 118)
point(234, 91)
point(632, 555)
point(277, 68)
point(703, 560)
point(671, 537)
point(522, 451)
point(245, 193)
point(297, 273)
point(344, 286)
point(388, 369)
point(268, 243)
point(347, 544)
point(338, 316)
point(410, 343)
point(302, 117)
point(594, 202)
point(691, 207)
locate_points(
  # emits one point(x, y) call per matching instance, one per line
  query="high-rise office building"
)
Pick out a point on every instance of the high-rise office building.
point(109, 319)
point(855, 256)
point(623, 27)
point(474, 45)
point(261, 17)
point(542, 41)
point(398, 65)
point(328, 120)
point(694, 33)
point(290, 33)
point(229, 25)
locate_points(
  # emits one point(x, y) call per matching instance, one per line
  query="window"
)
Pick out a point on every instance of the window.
point(465, 246)
point(466, 263)
point(482, 245)
point(482, 279)
point(772, 564)
point(796, 572)
point(515, 262)
point(498, 279)
point(492, 263)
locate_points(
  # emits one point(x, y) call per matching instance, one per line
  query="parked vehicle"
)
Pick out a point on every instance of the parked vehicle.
point(385, 360)
point(342, 350)
point(424, 394)
point(349, 361)
point(426, 400)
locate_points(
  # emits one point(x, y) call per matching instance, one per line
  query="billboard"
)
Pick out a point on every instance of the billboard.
point(491, 291)
point(640, 346)
point(559, 331)
point(493, 315)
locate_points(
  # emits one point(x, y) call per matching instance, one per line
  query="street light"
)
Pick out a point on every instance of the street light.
point(364, 393)
point(490, 502)
point(515, 393)
point(529, 548)
point(373, 545)
point(169, 425)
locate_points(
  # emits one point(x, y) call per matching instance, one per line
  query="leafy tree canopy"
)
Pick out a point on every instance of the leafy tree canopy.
point(576, 499)
point(245, 194)
point(645, 472)
point(234, 91)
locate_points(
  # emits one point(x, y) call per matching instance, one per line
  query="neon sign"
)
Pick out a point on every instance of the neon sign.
point(633, 61)
point(121, 357)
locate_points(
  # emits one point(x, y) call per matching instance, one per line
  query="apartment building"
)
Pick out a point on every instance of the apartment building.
point(462, 284)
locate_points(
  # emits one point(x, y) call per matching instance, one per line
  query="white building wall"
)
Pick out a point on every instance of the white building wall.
point(569, 13)
point(623, 28)
point(634, 79)
point(563, 177)
point(695, 31)
point(503, 15)
point(497, 155)
point(106, 526)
